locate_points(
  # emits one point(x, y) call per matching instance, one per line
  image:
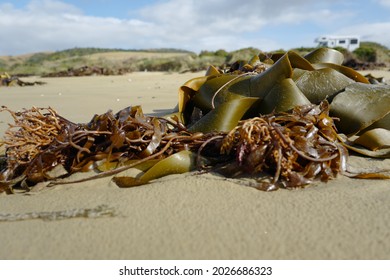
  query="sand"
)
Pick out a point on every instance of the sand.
point(187, 216)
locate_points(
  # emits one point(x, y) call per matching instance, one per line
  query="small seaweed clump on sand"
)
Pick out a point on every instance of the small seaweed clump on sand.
point(292, 118)
point(7, 80)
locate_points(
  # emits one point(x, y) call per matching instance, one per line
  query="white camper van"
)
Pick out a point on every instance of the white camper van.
point(347, 42)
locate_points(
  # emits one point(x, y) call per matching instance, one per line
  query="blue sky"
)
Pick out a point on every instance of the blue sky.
point(48, 25)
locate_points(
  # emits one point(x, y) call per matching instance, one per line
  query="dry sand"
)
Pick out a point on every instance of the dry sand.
point(186, 216)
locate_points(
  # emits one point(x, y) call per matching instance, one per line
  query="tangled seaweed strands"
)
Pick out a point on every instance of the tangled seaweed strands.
point(45, 140)
point(33, 130)
point(296, 147)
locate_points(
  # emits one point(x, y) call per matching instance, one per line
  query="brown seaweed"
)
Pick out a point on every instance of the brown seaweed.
point(293, 118)
point(41, 140)
point(87, 71)
point(295, 147)
point(8, 81)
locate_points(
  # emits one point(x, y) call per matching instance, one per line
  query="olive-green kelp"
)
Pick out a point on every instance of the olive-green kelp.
point(273, 115)
point(284, 82)
point(296, 147)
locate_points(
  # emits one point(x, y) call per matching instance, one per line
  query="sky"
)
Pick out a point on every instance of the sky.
point(29, 26)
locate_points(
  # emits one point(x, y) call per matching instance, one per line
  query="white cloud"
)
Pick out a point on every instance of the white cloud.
point(52, 25)
point(237, 16)
point(375, 32)
point(194, 25)
point(385, 3)
point(229, 23)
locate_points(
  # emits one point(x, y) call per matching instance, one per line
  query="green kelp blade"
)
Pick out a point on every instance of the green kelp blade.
point(274, 56)
point(208, 93)
point(359, 106)
point(296, 60)
point(299, 62)
point(219, 90)
point(255, 61)
point(225, 117)
point(374, 139)
point(261, 84)
point(379, 176)
point(143, 166)
point(382, 123)
point(212, 71)
point(321, 84)
point(177, 163)
point(188, 90)
point(283, 97)
point(380, 153)
point(325, 55)
point(372, 143)
point(297, 73)
point(349, 72)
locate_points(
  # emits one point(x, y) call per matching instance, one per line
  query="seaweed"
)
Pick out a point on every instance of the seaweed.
point(41, 140)
point(292, 118)
point(7, 80)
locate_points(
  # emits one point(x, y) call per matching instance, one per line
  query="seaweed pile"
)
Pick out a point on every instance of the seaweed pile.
point(8, 81)
point(359, 65)
point(41, 140)
point(286, 120)
point(87, 71)
point(217, 101)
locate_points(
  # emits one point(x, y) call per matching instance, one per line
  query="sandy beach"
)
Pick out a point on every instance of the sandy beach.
point(187, 216)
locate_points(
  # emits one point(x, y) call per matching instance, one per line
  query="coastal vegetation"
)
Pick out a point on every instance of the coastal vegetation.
point(369, 55)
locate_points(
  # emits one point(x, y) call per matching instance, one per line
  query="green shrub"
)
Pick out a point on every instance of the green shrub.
point(221, 53)
point(41, 63)
point(367, 54)
point(242, 54)
point(3, 66)
point(206, 53)
point(37, 58)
